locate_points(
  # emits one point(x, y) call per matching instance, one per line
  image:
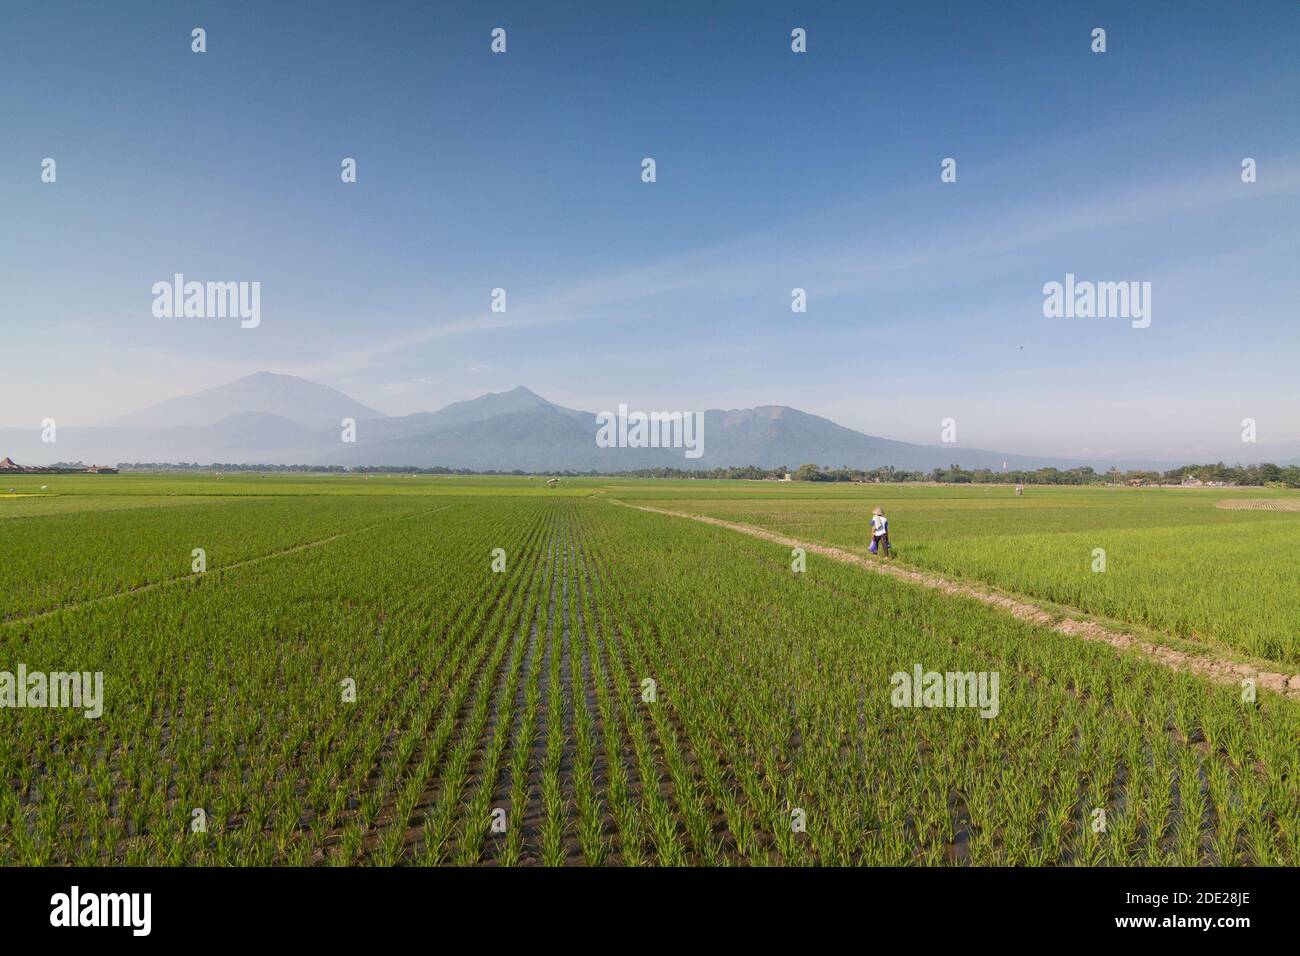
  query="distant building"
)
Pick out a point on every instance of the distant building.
point(8, 464)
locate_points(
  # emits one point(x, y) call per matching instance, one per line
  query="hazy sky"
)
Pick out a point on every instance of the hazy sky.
point(775, 170)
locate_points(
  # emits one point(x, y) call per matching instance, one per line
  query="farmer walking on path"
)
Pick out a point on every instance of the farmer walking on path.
point(880, 533)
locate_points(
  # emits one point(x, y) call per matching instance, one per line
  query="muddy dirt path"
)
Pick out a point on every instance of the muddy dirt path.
point(1220, 669)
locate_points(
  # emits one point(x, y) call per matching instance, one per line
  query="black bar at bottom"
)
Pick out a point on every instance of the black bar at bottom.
point(334, 906)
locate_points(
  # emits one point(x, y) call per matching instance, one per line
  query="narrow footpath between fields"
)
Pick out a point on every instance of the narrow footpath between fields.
point(1220, 669)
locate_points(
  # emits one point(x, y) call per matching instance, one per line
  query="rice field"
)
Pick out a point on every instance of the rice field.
point(1176, 560)
point(442, 671)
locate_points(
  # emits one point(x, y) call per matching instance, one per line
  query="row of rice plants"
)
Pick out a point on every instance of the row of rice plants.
point(783, 677)
point(58, 560)
point(1172, 560)
point(226, 698)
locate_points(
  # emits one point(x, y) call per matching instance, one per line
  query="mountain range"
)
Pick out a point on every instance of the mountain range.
point(267, 418)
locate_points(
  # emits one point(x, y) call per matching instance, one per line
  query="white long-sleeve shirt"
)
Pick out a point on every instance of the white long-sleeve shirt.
point(879, 525)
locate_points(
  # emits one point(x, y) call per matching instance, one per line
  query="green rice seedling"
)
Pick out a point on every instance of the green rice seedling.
point(522, 691)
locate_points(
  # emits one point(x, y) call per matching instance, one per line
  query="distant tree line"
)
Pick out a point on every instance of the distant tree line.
point(335, 469)
point(1258, 475)
point(1262, 474)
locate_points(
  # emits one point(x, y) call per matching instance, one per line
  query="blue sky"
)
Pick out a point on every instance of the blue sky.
point(775, 170)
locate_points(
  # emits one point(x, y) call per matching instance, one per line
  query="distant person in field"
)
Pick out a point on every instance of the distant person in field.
point(880, 534)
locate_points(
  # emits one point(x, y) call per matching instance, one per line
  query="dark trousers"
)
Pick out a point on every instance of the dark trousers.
point(882, 543)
